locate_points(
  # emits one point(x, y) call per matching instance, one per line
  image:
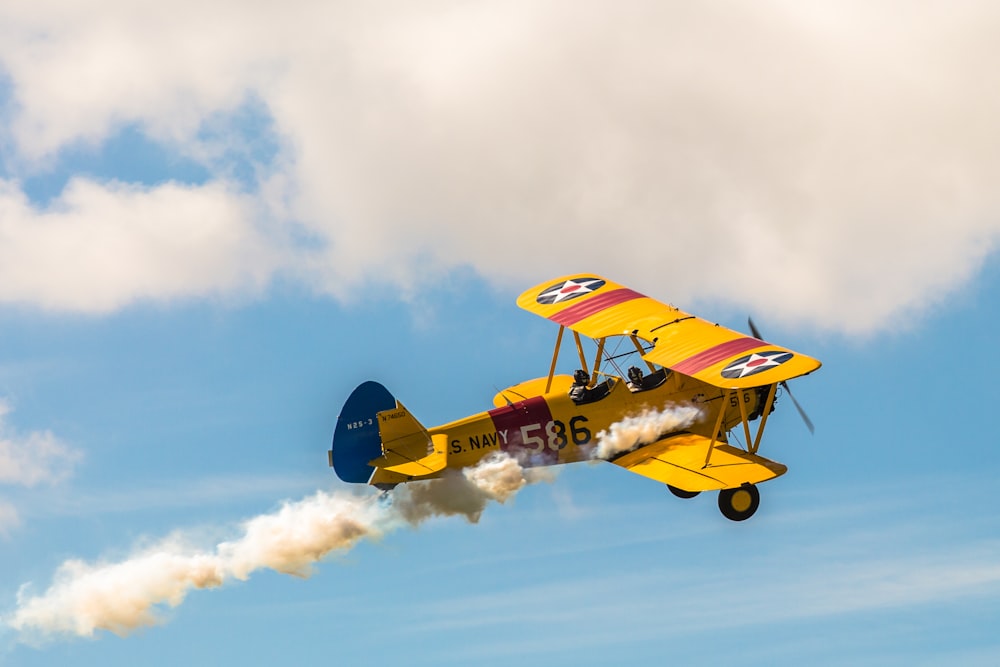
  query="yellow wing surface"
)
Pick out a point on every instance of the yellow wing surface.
point(596, 307)
point(680, 461)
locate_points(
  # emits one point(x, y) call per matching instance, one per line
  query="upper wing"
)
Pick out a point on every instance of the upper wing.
point(679, 461)
point(597, 307)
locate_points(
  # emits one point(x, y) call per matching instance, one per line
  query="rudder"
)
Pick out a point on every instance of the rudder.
point(356, 440)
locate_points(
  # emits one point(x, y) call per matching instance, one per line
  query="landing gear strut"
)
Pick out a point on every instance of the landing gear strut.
point(739, 504)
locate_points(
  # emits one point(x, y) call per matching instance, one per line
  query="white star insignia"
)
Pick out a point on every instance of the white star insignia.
point(569, 289)
point(755, 363)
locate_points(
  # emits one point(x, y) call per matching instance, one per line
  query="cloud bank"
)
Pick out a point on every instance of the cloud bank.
point(831, 164)
point(100, 246)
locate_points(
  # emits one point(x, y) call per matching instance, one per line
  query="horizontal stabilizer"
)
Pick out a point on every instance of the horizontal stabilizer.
point(435, 461)
point(407, 447)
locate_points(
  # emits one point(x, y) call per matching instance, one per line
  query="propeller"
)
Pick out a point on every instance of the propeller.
point(784, 384)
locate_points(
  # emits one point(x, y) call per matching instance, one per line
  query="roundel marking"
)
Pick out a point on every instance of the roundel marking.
point(569, 289)
point(754, 363)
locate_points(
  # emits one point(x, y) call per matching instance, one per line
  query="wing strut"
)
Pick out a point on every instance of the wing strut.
point(555, 357)
point(743, 418)
point(753, 444)
point(638, 347)
point(597, 361)
point(579, 349)
point(768, 404)
point(716, 430)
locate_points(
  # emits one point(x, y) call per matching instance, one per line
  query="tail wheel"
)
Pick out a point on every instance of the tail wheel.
point(739, 504)
point(681, 493)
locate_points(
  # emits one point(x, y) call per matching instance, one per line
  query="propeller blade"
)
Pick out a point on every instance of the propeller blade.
point(802, 413)
point(784, 385)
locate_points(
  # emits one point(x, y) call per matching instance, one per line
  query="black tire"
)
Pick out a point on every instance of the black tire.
point(739, 504)
point(681, 493)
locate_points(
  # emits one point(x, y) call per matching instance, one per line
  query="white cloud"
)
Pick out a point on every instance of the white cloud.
point(35, 458)
point(825, 163)
point(9, 518)
point(27, 460)
point(100, 246)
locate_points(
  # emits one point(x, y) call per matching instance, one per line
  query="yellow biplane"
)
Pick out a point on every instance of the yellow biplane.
point(680, 360)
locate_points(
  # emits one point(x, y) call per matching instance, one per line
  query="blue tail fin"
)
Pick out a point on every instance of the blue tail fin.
point(356, 440)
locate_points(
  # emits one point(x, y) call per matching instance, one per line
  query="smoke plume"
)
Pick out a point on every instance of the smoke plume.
point(497, 477)
point(643, 429)
point(125, 595)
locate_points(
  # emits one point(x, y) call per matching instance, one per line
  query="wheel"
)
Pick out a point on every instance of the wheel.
point(681, 493)
point(739, 504)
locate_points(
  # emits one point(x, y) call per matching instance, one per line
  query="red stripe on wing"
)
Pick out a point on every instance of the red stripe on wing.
point(714, 355)
point(595, 304)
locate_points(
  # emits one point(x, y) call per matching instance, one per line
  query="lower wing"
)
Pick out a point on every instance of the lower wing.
point(695, 463)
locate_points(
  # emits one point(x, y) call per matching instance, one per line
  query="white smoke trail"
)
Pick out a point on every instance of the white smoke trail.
point(643, 429)
point(122, 596)
point(299, 534)
point(497, 477)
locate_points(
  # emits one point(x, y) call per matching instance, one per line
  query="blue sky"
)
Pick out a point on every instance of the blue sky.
point(878, 546)
point(204, 250)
